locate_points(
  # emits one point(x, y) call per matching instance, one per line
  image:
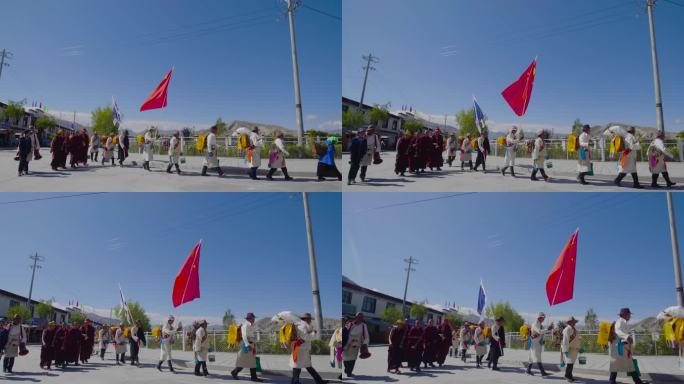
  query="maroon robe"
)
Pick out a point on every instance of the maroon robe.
point(444, 331)
point(87, 342)
point(412, 152)
point(432, 344)
point(424, 151)
point(58, 343)
point(396, 348)
point(72, 345)
point(435, 159)
point(47, 349)
point(414, 346)
point(402, 160)
point(58, 147)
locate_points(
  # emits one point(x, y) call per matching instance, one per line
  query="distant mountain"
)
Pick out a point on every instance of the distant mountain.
point(266, 325)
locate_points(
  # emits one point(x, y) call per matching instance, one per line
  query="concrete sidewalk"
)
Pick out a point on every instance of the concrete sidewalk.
point(381, 178)
point(132, 178)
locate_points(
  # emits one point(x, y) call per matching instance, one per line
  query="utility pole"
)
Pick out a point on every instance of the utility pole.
point(370, 60)
point(410, 261)
point(35, 266)
point(4, 55)
point(656, 71)
point(291, 8)
point(675, 252)
point(318, 314)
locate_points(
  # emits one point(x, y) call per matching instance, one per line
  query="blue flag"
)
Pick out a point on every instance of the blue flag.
point(479, 116)
point(481, 299)
point(115, 112)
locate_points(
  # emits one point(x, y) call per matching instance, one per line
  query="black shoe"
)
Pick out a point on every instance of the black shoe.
point(235, 375)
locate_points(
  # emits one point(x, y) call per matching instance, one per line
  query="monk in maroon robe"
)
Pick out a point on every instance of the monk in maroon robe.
point(412, 151)
point(402, 160)
point(396, 347)
point(432, 344)
point(414, 347)
point(436, 160)
point(47, 347)
point(444, 330)
point(87, 342)
point(85, 139)
point(425, 149)
point(58, 343)
point(72, 344)
point(58, 148)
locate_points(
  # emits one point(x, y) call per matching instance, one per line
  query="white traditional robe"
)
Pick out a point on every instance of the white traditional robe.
point(108, 149)
point(148, 148)
point(335, 342)
point(539, 153)
point(257, 142)
point(306, 333)
point(94, 143)
point(134, 337)
point(455, 339)
point(583, 142)
point(570, 344)
point(168, 338)
point(537, 336)
point(480, 342)
point(201, 344)
point(211, 156)
point(247, 358)
point(451, 145)
point(466, 148)
point(373, 145)
point(120, 341)
point(15, 336)
point(358, 336)
point(656, 156)
point(174, 150)
point(276, 158)
point(466, 336)
point(628, 157)
point(480, 143)
point(511, 146)
point(621, 363)
point(104, 336)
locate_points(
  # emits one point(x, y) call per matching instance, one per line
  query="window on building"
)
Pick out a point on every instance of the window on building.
point(345, 108)
point(390, 305)
point(430, 316)
point(346, 297)
point(13, 303)
point(394, 125)
point(368, 305)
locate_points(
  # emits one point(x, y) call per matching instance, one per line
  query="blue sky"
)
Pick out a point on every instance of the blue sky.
point(232, 59)
point(594, 58)
point(254, 256)
point(511, 241)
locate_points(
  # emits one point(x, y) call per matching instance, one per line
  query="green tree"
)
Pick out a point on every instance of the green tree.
point(102, 120)
point(76, 317)
point(228, 318)
point(391, 314)
point(21, 310)
point(312, 133)
point(44, 309)
point(455, 321)
point(418, 311)
point(412, 126)
point(680, 135)
point(14, 111)
point(577, 127)
point(45, 122)
point(137, 313)
point(352, 119)
point(221, 127)
point(513, 319)
point(591, 320)
point(378, 114)
point(466, 120)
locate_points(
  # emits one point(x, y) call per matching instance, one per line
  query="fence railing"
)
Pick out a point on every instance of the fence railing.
point(644, 343)
point(267, 342)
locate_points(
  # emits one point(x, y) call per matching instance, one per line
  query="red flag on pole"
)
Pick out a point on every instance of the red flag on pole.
point(186, 287)
point(158, 97)
point(518, 94)
point(561, 281)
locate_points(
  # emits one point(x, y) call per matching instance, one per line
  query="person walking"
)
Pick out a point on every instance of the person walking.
point(200, 347)
point(357, 151)
point(174, 152)
point(300, 358)
point(276, 157)
point(168, 338)
point(247, 352)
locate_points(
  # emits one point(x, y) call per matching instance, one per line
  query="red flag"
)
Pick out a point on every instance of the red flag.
point(518, 94)
point(158, 97)
point(186, 287)
point(561, 281)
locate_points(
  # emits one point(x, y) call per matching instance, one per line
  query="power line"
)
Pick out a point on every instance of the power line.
point(50, 198)
point(674, 3)
point(422, 200)
point(321, 12)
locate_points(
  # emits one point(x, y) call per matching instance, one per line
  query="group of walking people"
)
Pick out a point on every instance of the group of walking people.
point(79, 148)
point(417, 152)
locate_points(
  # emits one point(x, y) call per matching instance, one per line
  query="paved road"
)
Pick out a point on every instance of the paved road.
point(132, 178)
point(656, 369)
point(275, 368)
point(381, 178)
